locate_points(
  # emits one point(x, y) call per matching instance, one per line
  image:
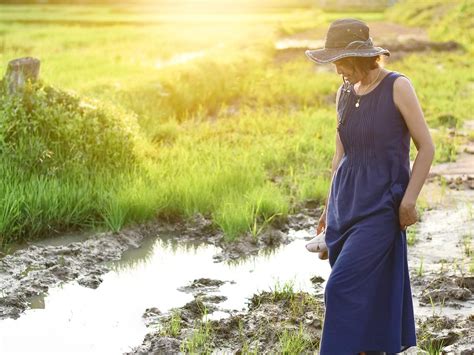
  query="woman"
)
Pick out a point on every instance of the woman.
point(372, 198)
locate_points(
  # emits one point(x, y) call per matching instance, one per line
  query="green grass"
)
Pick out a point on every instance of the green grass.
point(200, 339)
point(467, 244)
point(427, 330)
point(283, 291)
point(233, 134)
point(172, 327)
point(420, 270)
point(42, 205)
point(411, 236)
point(445, 20)
point(294, 342)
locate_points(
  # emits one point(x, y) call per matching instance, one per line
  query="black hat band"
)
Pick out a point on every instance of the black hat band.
point(367, 44)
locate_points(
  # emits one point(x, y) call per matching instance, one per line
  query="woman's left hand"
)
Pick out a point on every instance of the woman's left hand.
point(407, 214)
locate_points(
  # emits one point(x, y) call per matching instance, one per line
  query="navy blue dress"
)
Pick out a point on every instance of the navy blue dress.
point(368, 296)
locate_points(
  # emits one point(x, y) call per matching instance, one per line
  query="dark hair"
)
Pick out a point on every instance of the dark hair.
point(363, 64)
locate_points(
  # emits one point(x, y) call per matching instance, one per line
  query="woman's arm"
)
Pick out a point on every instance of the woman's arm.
point(335, 162)
point(405, 99)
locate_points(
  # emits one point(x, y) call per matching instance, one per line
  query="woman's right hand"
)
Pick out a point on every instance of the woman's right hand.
point(321, 226)
point(321, 223)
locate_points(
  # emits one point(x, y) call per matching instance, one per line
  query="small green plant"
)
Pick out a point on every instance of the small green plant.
point(420, 268)
point(283, 291)
point(243, 338)
point(245, 346)
point(114, 216)
point(444, 185)
point(173, 326)
point(425, 338)
point(294, 342)
point(4, 249)
point(200, 339)
point(411, 236)
point(467, 244)
point(434, 347)
point(254, 227)
point(302, 302)
point(255, 230)
point(433, 307)
point(297, 306)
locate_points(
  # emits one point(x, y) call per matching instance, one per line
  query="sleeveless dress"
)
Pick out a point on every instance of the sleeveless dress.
point(368, 296)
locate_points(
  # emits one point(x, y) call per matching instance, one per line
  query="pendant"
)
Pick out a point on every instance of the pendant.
point(357, 103)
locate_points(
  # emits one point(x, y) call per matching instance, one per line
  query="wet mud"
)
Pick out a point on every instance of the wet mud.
point(265, 327)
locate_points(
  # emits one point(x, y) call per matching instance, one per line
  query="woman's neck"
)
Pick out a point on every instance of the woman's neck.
point(371, 76)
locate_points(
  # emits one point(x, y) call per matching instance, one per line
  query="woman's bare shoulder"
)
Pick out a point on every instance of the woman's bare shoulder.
point(401, 78)
point(403, 90)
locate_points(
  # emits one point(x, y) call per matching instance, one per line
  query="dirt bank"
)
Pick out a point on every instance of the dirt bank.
point(269, 324)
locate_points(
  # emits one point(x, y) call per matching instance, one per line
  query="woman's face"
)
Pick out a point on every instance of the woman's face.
point(344, 68)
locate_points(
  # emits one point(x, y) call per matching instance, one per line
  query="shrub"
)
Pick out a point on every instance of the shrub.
point(45, 130)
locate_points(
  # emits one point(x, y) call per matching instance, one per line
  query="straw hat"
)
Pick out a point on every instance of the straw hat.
point(346, 37)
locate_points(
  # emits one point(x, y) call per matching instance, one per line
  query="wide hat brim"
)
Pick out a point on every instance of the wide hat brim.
point(328, 55)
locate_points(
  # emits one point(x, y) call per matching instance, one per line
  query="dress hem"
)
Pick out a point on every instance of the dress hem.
point(404, 348)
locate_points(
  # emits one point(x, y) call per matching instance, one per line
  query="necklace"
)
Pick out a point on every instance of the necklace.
point(358, 99)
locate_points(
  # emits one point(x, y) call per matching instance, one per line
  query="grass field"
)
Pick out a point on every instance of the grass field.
point(225, 129)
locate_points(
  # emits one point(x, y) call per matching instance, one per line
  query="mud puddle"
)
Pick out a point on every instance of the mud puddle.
point(90, 295)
